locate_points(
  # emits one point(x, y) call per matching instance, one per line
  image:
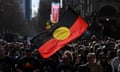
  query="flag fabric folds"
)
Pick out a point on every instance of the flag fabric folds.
point(69, 27)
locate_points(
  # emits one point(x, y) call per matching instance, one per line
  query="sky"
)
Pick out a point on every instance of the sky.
point(35, 5)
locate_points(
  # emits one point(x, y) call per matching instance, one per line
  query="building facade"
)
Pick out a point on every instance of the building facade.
point(107, 12)
point(26, 6)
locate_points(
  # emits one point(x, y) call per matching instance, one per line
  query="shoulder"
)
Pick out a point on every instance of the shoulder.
point(83, 66)
point(115, 59)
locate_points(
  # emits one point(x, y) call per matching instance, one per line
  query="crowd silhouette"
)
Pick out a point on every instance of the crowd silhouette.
point(81, 55)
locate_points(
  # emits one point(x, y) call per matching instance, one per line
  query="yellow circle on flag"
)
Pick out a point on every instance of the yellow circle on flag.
point(61, 33)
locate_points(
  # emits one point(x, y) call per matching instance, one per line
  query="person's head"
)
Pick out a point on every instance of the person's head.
point(69, 54)
point(118, 53)
point(78, 58)
point(103, 58)
point(65, 59)
point(91, 57)
point(81, 50)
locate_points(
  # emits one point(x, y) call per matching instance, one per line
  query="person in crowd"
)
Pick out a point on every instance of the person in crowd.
point(28, 63)
point(98, 52)
point(116, 61)
point(66, 65)
point(91, 65)
point(6, 63)
point(78, 61)
point(70, 55)
point(105, 62)
point(81, 51)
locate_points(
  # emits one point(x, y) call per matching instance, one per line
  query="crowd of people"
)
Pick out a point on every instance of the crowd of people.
point(81, 55)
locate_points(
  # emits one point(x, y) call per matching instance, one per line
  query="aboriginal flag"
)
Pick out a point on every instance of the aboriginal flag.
point(69, 27)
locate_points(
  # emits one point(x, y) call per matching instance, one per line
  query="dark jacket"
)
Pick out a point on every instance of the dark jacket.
point(83, 68)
